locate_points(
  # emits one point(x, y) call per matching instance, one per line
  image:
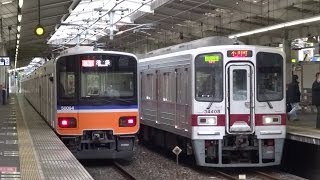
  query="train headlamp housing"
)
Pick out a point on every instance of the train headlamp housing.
point(207, 120)
point(67, 122)
point(127, 121)
point(270, 120)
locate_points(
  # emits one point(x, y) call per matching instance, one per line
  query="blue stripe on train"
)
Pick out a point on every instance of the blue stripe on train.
point(97, 107)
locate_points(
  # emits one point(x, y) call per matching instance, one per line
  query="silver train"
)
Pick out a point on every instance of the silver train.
point(222, 103)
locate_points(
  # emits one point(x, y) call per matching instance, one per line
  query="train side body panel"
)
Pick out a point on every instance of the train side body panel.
point(240, 122)
point(162, 107)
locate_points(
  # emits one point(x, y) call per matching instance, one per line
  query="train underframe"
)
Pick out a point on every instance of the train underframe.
point(231, 151)
point(101, 144)
point(238, 151)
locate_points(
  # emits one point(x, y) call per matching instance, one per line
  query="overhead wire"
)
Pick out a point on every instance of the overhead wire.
point(221, 23)
point(181, 12)
point(95, 21)
point(122, 17)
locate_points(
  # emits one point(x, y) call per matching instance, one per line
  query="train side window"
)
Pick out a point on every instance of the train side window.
point(166, 87)
point(185, 85)
point(151, 87)
point(142, 85)
point(148, 87)
point(269, 77)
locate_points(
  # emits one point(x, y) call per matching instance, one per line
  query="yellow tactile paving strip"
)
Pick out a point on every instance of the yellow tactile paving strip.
point(29, 167)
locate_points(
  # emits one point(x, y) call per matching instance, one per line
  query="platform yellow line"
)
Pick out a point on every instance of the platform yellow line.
point(29, 166)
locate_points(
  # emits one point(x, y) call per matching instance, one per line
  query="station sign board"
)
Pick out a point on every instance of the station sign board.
point(4, 61)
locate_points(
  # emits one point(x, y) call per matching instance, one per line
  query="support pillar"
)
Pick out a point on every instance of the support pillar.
point(287, 50)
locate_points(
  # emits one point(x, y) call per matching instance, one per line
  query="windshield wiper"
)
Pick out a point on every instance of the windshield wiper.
point(266, 100)
point(106, 101)
point(269, 104)
point(123, 100)
point(210, 105)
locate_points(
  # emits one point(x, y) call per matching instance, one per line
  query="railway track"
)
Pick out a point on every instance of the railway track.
point(226, 175)
point(123, 171)
point(149, 164)
point(266, 175)
point(250, 174)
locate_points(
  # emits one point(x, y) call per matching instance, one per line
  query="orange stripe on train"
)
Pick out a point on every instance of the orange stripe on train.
point(98, 121)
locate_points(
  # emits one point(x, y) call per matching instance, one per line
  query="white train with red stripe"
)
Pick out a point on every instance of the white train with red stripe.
point(223, 103)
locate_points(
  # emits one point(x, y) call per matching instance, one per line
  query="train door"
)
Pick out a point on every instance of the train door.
point(40, 95)
point(53, 99)
point(166, 97)
point(182, 97)
point(46, 96)
point(157, 95)
point(148, 108)
point(240, 99)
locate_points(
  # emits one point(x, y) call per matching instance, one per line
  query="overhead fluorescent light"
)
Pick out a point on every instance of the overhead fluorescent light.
point(18, 28)
point(20, 3)
point(6, 2)
point(19, 17)
point(18, 36)
point(66, 33)
point(277, 26)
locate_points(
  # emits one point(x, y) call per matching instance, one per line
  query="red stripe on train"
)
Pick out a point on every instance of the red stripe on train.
point(222, 119)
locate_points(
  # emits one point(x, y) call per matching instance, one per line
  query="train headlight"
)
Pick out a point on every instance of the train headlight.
point(266, 120)
point(207, 120)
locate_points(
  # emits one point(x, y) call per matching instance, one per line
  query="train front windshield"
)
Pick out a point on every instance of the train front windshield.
point(208, 77)
point(209, 84)
point(98, 79)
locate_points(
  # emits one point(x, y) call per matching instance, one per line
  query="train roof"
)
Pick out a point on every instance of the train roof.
point(89, 50)
point(204, 42)
point(207, 49)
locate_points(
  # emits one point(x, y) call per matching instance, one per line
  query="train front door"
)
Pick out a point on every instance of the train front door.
point(240, 98)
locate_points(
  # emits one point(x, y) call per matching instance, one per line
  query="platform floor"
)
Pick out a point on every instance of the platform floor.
point(304, 130)
point(29, 149)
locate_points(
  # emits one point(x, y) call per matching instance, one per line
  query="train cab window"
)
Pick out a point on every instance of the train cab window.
point(107, 76)
point(269, 76)
point(66, 80)
point(208, 77)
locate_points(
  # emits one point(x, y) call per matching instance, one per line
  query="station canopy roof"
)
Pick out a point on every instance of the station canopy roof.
point(90, 20)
